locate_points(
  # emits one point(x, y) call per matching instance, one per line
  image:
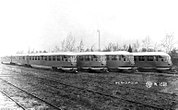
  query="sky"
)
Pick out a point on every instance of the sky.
point(43, 24)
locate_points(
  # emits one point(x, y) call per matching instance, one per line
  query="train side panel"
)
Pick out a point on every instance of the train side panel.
point(153, 61)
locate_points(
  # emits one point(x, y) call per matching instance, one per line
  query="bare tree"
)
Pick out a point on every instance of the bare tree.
point(168, 42)
point(136, 46)
point(109, 47)
point(56, 49)
point(80, 48)
point(125, 47)
point(146, 43)
point(68, 44)
point(20, 52)
point(63, 45)
point(112, 47)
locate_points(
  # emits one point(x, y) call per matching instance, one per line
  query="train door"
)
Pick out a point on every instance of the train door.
point(27, 60)
point(151, 61)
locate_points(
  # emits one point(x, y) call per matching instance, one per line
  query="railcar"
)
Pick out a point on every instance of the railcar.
point(153, 61)
point(120, 61)
point(91, 61)
point(62, 61)
point(65, 61)
point(6, 59)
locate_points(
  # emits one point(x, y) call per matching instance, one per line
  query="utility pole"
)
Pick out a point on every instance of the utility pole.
point(98, 39)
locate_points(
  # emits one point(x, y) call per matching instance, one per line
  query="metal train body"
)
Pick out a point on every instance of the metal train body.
point(148, 61)
point(63, 61)
point(91, 61)
point(95, 61)
point(119, 61)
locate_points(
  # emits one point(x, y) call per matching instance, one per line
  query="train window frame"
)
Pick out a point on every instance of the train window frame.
point(62, 58)
point(42, 57)
point(38, 58)
point(35, 57)
point(156, 58)
point(141, 58)
point(86, 58)
point(150, 58)
point(58, 58)
point(135, 58)
point(54, 58)
point(107, 57)
point(45, 58)
point(114, 58)
point(96, 58)
point(49, 58)
point(80, 58)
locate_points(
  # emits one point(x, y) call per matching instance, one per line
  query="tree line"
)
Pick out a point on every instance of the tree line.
point(69, 44)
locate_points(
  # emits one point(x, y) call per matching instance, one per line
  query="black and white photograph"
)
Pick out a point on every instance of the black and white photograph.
point(88, 55)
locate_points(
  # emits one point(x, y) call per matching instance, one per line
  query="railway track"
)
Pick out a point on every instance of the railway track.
point(107, 95)
point(152, 91)
point(25, 94)
point(21, 106)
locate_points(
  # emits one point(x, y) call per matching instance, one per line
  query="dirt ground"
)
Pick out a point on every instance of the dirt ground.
point(151, 89)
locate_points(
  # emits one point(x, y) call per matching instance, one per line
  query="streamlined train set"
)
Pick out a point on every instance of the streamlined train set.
point(95, 61)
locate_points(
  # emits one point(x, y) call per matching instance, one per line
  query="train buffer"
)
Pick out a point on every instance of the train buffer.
point(8, 104)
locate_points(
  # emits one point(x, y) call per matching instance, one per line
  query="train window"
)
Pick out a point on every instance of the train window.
point(45, 58)
point(42, 58)
point(58, 58)
point(86, 58)
point(49, 58)
point(62, 58)
point(114, 57)
point(141, 58)
point(135, 58)
point(94, 56)
point(156, 58)
point(107, 57)
point(119, 57)
point(150, 58)
point(96, 59)
point(54, 58)
point(124, 59)
point(38, 57)
point(91, 58)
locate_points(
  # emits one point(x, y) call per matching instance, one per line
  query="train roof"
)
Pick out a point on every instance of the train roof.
point(90, 53)
point(150, 53)
point(47, 54)
point(118, 53)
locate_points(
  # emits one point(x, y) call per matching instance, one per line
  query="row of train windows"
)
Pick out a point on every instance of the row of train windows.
point(47, 58)
point(91, 58)
point(149, 58)
point(116, 57)
point(102, 58)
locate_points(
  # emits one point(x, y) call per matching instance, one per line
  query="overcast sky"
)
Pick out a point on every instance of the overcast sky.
point(42, 24)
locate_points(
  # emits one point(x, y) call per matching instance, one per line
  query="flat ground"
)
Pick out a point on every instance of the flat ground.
point(133, 90)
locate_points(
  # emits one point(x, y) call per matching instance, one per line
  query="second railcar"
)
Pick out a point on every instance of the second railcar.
point(152, 61)
point(63, 61)
point(92, 61)
point(120, 61)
